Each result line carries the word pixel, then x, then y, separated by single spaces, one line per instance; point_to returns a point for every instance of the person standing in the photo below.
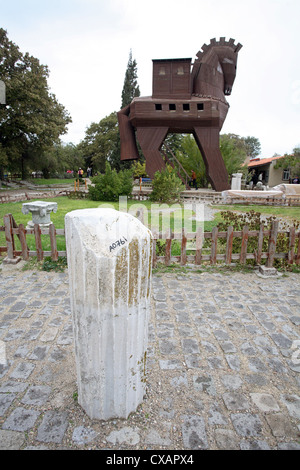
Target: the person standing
pixel 194 181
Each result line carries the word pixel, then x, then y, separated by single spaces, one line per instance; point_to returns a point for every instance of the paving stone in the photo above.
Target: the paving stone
pixel 233 362
pixel 204 384
pixel 255 364
pixel 33 334
pixel 49 335
pixel 154 438
pixel 125 435
pixel 13 387
pixel 232 382
pixel 14 334
pixel 39 353
pixel 18 307
pixel 226 439
pixel 165 330
pixel 11 440
pixel 228 347
pixel 23 370
pixel 265 402
pixel 254 445
pixel 179 381
pixel 193 361
pixel 194 433
pixel 190 346
pixel 53 427
pixel 282 340
pixel 215 416
pixel 21 419
pixel 235 401
pixel 82 435
pixel 36 395
pixel 246 424
pixel 170 364
pixel 280 425
pixel 168 347
pixel 292 402
pixel 8 300
pixel 5 401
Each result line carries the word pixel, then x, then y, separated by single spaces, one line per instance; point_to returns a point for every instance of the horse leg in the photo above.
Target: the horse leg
pixel 150 140
pixel 129 149
pixel 208 142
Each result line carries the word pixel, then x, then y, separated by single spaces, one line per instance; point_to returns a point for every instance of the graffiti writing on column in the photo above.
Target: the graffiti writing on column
pixel 117 243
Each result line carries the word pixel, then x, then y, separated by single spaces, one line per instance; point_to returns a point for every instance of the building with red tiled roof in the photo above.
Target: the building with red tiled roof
pixel 263 170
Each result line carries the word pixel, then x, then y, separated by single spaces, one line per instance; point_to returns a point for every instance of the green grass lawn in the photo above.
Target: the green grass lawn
pixel 48 182
pixel 65 205
pixel 177 219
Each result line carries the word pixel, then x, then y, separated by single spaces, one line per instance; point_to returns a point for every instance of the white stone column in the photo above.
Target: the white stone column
pixel 109 262
pixel 236 181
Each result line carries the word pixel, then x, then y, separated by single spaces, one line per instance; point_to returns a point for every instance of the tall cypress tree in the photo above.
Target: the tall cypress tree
pixel 130 87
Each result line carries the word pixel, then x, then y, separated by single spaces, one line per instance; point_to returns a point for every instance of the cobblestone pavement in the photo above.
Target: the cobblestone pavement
pixel 223 366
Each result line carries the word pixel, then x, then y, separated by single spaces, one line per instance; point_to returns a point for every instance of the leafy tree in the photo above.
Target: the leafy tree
pixel 232 147
pixel 234 152
pixel 191 159
pixel 58 159
pixel 100 142
pixel 110 185
pixel 139 169
pixel 291 162
pixel 33 119
pixel 253 147
pixel 166 186
pixel 130 87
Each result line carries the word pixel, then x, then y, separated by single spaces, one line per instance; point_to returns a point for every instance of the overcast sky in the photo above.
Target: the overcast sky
pixel 86 45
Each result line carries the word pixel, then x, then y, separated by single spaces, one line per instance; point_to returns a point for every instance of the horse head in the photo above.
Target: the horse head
pixel 214 69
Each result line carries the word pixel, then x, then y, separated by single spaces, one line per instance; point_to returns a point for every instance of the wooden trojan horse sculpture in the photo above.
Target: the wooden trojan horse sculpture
pixel 186 98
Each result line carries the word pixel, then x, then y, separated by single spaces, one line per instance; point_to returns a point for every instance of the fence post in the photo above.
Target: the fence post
pixel 229 242
pixel 22 237
pixel 214 244
pixel 272 243
pixel 292 239
pixel 259 244
pixel 199 245
pixel 10 242
pixel 243 255
pixel 52 234
pixel 297 260
pixel 183 258
pixel 38 242
pixel 168 247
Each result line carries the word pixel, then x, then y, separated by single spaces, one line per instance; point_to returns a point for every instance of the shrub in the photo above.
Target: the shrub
pixel 166 186
pixel 254 219
pixel 111 185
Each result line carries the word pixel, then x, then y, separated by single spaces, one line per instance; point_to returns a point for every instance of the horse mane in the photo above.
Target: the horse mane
pixel 214 43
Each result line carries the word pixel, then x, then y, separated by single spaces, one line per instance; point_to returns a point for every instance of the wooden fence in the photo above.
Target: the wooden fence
pixel 11 230
pixel 201 253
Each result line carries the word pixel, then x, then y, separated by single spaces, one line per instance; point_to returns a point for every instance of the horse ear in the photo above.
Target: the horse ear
pixel 238 48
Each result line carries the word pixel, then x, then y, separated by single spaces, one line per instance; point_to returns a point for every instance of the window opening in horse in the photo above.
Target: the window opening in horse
pixel 172 107
pixel 158 106
pixel 186 107
pixel 200 106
